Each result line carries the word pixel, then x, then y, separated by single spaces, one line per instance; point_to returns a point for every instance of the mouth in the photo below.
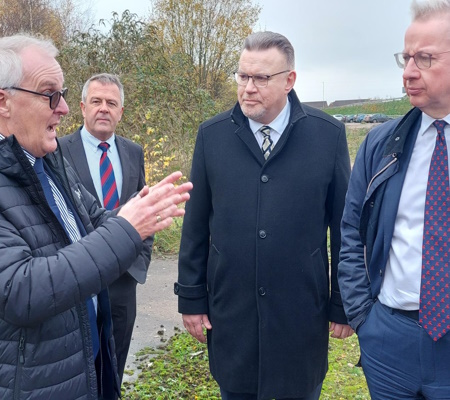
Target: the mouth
pixel 52 128
pixel 413 91
pixel 250 101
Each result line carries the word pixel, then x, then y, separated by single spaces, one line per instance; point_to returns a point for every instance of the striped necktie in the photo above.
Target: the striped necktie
pixel 267 144
pixel 109 188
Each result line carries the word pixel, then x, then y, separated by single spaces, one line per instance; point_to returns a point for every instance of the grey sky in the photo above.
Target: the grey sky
pixel 344 49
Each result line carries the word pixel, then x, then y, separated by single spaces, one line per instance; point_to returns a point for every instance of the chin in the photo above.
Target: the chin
pixel 255 115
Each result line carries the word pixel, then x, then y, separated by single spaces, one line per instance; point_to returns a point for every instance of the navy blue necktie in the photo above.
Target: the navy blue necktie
pixel 39 169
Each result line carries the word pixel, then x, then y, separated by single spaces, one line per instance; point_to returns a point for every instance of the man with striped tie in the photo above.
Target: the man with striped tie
pixel 111 168
pixel 270 177
pixel 58 249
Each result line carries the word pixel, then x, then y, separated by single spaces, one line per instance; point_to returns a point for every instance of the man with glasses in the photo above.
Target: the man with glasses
pixel 270 178
pixel 394 272
pixel 102 100
pixel 58 249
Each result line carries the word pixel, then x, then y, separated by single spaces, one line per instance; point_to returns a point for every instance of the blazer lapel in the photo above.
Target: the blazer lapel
pixel 125 161
pixel 79 161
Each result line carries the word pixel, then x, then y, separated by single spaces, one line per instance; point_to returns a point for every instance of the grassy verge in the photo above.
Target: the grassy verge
pixel 395 107
pixel 181 372
pixel 355 136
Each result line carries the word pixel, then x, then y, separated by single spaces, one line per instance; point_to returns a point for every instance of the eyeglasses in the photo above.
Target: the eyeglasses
pixel 258 80
pixel 54 97
pixel 422 60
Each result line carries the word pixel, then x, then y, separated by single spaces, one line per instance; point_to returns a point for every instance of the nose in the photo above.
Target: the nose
pixel 104 107
pixel 411 70
pixel 250 86
pixel 62 107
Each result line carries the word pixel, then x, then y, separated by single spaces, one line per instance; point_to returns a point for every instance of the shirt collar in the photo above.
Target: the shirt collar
pixel 278 124
pixel 92 142
pixel 427 121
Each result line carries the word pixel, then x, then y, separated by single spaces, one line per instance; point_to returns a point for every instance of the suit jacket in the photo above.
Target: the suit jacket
pixel 253 252
pixel 132 160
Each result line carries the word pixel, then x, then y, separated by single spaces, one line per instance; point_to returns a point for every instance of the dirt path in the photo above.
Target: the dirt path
pixel 157 314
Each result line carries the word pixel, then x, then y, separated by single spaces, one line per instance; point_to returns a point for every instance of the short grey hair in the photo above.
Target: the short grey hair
pixel 268 40
pixel 425 9
pixel 105 79
pixel 11 71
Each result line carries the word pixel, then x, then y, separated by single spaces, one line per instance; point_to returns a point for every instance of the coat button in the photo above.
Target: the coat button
pixel 176 288
pixel 261 291
pixel 381 272
pixel 264 178
pixel 262 234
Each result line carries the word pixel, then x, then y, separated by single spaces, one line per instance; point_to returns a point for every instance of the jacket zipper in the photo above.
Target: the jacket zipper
pixel 394 160
pixel 18 376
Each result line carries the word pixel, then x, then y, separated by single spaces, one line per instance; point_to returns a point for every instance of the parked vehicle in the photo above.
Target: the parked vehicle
pixel 339 117
pixel 349 118
pixel 378 118
pixel 359 118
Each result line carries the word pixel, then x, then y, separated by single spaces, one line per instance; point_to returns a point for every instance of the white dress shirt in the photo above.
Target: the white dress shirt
pixel 278 125
pixel 401 285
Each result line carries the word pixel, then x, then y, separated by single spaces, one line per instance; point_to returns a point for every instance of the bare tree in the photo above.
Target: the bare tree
pixel 57 19
pixel 211 32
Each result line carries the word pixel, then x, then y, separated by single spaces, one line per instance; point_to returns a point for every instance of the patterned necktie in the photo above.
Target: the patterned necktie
pixel 109 188
pixel 434 314
pixel 267 144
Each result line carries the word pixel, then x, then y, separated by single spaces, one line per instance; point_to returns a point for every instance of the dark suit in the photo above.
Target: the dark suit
pixel 123 290
pixel 253 253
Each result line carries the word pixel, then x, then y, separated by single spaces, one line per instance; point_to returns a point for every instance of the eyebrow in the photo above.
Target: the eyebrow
pixel 47 84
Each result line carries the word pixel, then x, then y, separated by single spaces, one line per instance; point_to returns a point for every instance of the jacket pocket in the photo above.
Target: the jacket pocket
pixel 319 272
pixel 213 261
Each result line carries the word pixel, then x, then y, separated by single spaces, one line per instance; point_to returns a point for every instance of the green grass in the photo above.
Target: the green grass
pixel 181 371
pixel 355 137
pixel 394 107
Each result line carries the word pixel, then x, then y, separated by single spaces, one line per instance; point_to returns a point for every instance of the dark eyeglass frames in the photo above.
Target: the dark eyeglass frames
pixel 54 98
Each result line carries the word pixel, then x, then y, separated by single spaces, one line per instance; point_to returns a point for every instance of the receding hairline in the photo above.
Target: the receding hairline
pixel 266 40
pixel 104 79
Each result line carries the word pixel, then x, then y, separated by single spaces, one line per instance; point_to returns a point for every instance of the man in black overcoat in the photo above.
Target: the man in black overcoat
pixel 270 178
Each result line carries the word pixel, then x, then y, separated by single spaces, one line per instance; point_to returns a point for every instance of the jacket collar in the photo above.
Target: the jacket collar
pixel 407 124
pixel 297 111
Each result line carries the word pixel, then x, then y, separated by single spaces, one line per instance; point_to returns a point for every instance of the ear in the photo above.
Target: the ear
pixel 83 109
pixel 292 76
pixel 121 113
pixel 4 103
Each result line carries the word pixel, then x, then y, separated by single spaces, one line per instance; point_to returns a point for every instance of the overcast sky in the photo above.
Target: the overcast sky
pixel 344 49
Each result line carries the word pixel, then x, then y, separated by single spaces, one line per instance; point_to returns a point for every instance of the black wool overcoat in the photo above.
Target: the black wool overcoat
pixel 254 252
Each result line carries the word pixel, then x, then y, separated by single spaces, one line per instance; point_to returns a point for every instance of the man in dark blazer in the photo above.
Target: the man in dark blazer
pixel 270 178
pixel 102 107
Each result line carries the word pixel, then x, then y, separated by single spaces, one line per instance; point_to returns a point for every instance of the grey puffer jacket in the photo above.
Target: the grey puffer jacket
pixel 45 338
